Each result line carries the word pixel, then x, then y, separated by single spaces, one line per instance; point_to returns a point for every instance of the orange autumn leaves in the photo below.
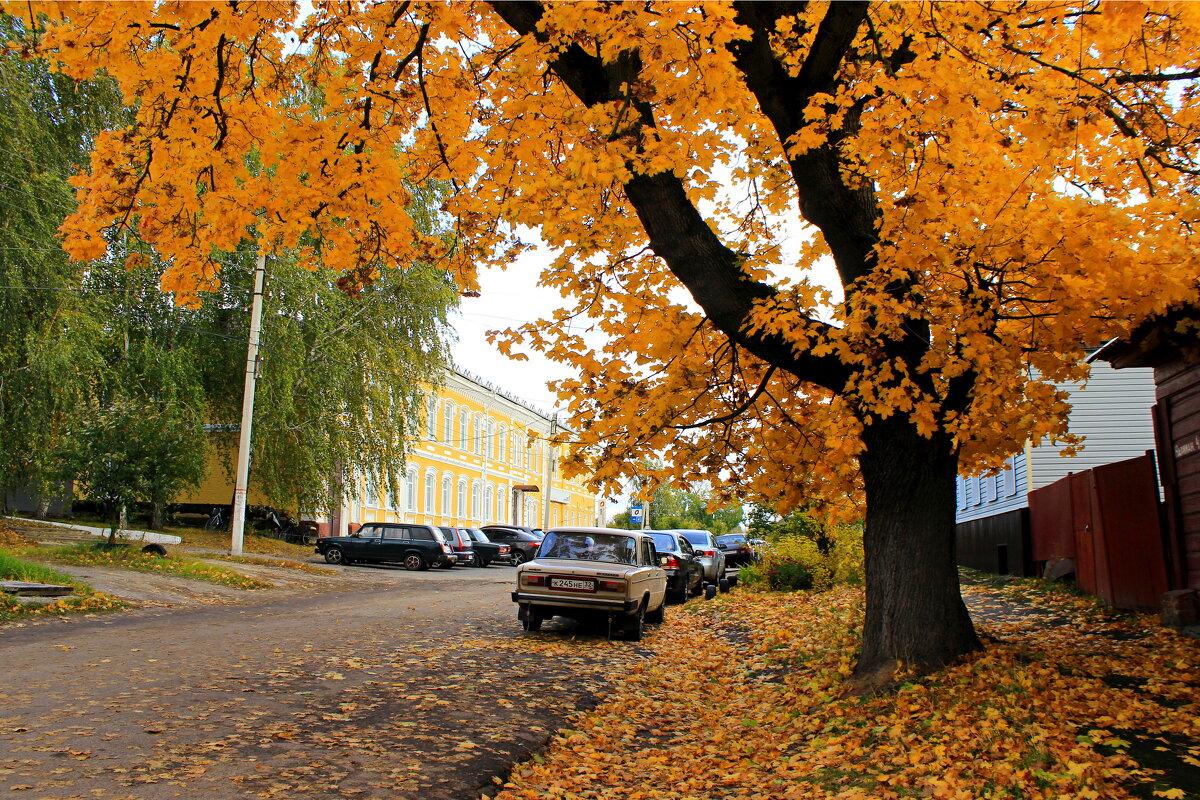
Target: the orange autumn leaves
pixel 744 697
pixel 1028 166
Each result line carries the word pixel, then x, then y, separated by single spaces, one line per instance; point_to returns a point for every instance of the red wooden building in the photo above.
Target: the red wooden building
pixel 1171 345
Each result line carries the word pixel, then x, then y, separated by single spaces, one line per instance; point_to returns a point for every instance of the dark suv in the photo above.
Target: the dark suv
pixel 523 541
pixel 461 544
pixel 414 546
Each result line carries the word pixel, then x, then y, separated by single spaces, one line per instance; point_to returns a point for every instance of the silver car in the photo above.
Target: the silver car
pixel 711 557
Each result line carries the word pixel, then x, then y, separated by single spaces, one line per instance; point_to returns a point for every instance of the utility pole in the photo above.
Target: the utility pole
pixel 549 473
pixel 243 461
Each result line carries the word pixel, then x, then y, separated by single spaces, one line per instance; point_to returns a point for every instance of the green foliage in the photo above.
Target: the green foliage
pixel 133 450
pixel 47 355
pixel 793 562
pixel 17 569
pixel 678 508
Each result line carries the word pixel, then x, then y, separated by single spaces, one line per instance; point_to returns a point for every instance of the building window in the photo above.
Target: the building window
pixel 962 493
pixel 976 491
pixel 446 500
pixel 462 498
pixel 501 497
pixel 463 423
pixel 489 502
pixel 410 490
pixel 475 500
pixel 502 443
pixel 489 444
pixel 1010 478
pixel 429 499
pixel 448 422
pixel 431 417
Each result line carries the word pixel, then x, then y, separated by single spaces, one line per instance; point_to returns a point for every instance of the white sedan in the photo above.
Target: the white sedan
pixel 593 572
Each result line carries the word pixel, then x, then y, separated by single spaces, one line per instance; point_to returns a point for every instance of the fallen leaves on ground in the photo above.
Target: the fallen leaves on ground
pixel 746 699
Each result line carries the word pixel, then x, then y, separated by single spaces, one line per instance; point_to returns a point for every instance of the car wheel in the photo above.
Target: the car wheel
pixel 447 565
pixel 334 556
pixel 657 616
pixel 485 562
pixel 680 595
pixel 518 558
pixel 724 585
pixel 710 592
pixel 635 626
pixel 533 620
pixel 414 561
pixel 699 587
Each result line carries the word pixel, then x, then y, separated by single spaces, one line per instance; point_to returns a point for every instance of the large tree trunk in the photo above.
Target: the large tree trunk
pixel 915 613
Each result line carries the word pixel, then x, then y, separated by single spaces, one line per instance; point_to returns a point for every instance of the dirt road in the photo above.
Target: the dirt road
pixel 380 683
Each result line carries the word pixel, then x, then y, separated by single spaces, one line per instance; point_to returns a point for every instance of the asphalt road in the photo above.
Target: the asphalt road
pixel 374 683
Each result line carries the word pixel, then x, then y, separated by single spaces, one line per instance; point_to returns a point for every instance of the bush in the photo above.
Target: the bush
pixel 795 562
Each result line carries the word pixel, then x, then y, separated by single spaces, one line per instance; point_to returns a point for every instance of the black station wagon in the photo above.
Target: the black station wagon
pixel 414 546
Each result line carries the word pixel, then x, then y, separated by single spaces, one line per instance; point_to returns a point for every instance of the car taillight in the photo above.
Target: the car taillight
pixel 671 563
pixel 505 548
pixel 533 580
pixel 707 553
pixel 610 586
pixel 446 548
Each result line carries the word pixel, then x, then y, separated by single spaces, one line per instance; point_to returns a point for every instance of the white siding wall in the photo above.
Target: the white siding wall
pixel 992 494
pixel 1112 411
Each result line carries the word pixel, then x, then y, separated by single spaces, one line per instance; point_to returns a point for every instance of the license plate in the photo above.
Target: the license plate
pixel 573 584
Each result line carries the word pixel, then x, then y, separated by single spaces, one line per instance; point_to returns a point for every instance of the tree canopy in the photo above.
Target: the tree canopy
pixel 995 186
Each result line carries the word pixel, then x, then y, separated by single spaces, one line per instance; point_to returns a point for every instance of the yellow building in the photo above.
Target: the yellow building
pixel 484 457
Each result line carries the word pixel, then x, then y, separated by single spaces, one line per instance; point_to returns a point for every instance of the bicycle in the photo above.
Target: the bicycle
pixel 216 520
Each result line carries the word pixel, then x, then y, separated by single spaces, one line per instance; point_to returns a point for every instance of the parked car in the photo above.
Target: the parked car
pixel 460 543
pixel 487 551
pixel 685 573
pixel 414 546
pixel 522 541
pixel 593 572
pixel 710 554
pixel 737 550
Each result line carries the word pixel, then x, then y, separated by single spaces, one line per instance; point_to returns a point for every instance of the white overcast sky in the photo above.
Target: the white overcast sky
pixel 508 298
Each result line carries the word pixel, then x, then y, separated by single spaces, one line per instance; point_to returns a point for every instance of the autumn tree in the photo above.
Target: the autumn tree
pixel 47 122
pixel 990 186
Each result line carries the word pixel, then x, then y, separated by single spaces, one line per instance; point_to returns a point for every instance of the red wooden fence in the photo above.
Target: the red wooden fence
pixel 1107 520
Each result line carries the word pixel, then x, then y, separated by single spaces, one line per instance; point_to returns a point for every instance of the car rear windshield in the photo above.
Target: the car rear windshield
pixel 724 540
pixel 696 538
pixel 477 535
pixel 664 542
pixel 609 547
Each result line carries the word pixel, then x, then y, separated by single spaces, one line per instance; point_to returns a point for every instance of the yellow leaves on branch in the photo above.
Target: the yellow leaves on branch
pixel 1029 187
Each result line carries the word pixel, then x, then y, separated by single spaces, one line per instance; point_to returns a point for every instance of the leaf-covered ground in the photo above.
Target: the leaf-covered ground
pixel 746 699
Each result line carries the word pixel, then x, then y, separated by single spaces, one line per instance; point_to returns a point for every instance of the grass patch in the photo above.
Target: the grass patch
pixel 84 599
pixel 131 558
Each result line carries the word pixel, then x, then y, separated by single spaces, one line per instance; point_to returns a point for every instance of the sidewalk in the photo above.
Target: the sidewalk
pixel 129 534
pixel 745 698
